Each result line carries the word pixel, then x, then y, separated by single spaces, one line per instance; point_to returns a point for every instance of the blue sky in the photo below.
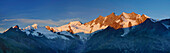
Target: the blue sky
pixel 59 12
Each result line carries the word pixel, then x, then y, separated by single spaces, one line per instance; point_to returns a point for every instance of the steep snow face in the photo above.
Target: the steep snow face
pixel 126 31
pixel 67 33
pixel 77 27
pixel 42 31
pixel 104 19
pixel 125 15
pixel 37 30
pixel 34 26
pixel 167 26
pixel 124 20
pixel 132 19
pixel 126 23
pixel 6 30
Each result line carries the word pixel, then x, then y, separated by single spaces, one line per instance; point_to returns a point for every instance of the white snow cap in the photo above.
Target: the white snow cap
pixel 35 26
pixel 95 25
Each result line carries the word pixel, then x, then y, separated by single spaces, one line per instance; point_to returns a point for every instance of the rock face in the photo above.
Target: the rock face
pixel 119 21
pixel 50 29
pixel 16 26
pixel 124 20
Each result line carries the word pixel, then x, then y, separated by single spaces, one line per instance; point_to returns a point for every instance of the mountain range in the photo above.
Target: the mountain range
pixel 124 33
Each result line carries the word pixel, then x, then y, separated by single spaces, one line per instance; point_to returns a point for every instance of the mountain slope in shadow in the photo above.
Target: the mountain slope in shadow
pixel 152 37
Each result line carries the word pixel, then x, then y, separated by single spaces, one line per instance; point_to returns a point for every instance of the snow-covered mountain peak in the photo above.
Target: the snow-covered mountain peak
pixel 75 23
pixel 126 15
pixel 116 21
pixel 119 21
pixel 146 16
pixel 123 20
pixel 35 26
pixel 16 26
pixel 100 16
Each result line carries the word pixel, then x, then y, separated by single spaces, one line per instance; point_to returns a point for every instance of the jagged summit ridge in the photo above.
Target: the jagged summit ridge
pixel 120 21
pixel 16 26
pixel 123 20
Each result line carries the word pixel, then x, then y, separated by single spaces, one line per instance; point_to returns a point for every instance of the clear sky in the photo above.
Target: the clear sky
pixel 59 12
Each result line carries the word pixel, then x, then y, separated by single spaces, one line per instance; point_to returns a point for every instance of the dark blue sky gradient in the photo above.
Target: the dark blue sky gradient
pixel 57 9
